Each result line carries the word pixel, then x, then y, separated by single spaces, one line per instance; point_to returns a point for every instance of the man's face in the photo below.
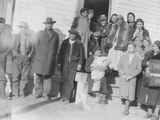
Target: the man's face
pixel 49 26
pixel 72 36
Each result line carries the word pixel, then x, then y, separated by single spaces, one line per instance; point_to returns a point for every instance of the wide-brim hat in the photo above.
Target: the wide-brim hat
pixel 49 20
pixel 75 32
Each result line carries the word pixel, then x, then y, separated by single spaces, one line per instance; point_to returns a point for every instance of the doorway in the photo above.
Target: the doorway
pixel 99 6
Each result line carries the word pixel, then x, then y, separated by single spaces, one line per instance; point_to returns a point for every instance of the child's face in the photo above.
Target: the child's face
pixel 97 53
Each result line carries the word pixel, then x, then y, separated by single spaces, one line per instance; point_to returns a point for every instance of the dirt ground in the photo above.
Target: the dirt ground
pixel 30 108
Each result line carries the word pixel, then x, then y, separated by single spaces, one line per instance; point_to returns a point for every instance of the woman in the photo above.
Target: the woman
pixel 129 67
pixel 112 27
pixel 150 96
pixel 140 34
pixel 81 24
pixel 131 24
pixel 104 32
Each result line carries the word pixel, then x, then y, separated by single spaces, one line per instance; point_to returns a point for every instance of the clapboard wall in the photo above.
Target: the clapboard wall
pixel 35 12
pixel 3 8
pixel 148 10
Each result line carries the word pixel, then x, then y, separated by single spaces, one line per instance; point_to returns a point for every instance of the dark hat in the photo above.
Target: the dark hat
pixel 83 9
pixel 49 20
pixel 75 32
pixel 2 20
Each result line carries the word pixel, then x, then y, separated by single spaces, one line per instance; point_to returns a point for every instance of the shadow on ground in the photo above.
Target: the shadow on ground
pixel 35 106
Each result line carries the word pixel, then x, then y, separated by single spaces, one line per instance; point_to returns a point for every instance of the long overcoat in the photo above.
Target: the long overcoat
pixel 46 52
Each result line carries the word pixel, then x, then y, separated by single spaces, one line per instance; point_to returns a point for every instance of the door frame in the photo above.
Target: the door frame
pixel 109 8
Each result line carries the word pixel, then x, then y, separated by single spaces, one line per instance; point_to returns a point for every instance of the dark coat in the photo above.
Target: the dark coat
pixel 46 52
pixel 77 56
pixel 149 96
pixel 69 64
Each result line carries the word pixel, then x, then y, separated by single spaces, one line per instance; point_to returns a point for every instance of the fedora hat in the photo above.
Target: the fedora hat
pixel 49 20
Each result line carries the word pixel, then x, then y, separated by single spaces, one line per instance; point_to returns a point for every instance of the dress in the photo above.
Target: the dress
pixel 130 66
pixel 149 96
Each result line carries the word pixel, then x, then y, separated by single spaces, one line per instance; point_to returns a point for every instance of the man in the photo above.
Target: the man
pixel 45 59
pixel 81 24
pixel 70 58
pixel 5 50
pixel 23 53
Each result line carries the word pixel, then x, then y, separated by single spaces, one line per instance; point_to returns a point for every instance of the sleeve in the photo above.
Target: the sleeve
pixel 61 52
pixel 82 54
pixel 31 44
pixel 147 36
pixel 125 35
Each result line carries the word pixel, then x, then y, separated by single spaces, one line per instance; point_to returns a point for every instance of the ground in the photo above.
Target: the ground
pixel 30 108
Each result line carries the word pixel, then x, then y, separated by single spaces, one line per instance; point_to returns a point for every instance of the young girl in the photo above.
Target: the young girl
pixel 129 67
pixel 98 67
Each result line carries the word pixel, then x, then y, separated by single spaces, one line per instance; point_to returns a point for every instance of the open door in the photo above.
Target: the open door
pixel 99 6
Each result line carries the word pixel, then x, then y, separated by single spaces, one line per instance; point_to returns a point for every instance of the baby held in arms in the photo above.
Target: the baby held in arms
pixel 98 67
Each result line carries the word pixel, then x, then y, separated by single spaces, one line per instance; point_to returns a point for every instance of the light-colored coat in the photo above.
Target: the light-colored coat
pixel 130 69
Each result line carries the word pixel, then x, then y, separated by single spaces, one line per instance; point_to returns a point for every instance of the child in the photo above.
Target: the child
pixel 98 67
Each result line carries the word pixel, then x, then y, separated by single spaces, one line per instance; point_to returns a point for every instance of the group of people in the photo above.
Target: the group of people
pixel 96 47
